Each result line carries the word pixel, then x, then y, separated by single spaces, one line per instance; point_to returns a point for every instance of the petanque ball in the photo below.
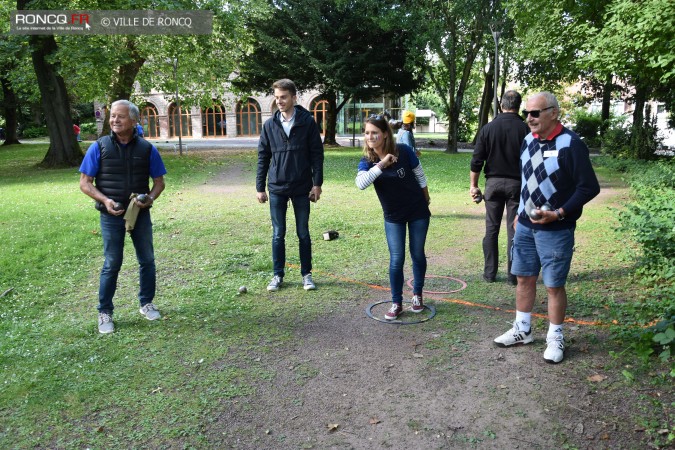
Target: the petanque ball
pixel 118 206
pixel 243 290
pixel 143 198
pixel 544 207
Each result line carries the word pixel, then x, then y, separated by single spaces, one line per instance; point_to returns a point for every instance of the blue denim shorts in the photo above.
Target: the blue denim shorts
pixel 547 251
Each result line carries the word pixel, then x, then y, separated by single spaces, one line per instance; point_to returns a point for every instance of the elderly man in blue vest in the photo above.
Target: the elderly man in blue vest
pixel 114 168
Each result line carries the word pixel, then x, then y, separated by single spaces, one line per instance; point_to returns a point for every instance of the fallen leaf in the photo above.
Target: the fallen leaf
pixel 333 427
pixel 374 421
pixel 502 386
pixel 605 437
pixel 99 429
pixel 418 355
pixel 597 378
pixel 663 431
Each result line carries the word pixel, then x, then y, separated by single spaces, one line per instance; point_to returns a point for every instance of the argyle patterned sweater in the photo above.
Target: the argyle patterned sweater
pixel 555 170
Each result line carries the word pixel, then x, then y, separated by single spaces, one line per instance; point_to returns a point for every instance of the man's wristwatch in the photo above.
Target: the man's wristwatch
pixel 560 216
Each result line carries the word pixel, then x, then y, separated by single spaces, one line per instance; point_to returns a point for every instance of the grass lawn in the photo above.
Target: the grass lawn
pixel 159 384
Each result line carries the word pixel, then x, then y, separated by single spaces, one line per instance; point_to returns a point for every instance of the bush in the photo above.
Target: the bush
pixel 88 128
pixel 651 214
pixel 588 126
pixel 616 141
pixel 623 140
pixel 649 219
pixel 34 132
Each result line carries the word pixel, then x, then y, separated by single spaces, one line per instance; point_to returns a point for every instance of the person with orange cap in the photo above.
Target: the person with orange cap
pixel 405 134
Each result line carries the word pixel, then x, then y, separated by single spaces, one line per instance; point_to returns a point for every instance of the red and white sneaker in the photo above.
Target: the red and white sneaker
pixel 393 313
pixel 417 304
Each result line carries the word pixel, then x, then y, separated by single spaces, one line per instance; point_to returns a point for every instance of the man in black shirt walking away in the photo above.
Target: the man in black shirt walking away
pixel 498 153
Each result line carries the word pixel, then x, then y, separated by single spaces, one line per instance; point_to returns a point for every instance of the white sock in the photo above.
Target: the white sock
pixel 523 320
pixel 554 330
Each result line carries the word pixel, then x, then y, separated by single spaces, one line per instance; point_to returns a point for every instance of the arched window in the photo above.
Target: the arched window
pixel 319 108
pixel 150 121
pixel 249 120
pixel 213 121
pixel 185 121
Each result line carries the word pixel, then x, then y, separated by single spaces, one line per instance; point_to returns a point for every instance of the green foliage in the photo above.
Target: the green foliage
pixel 648 219
pixel 644 139
pixel 616 141
pixel 657 340
pixel 426 98
pixel 454 33
pixel 34 132
pixel 587 126
pixel 88 128
pixel 623 140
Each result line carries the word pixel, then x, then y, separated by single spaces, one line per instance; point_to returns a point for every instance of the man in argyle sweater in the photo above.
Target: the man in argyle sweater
pixel 556 175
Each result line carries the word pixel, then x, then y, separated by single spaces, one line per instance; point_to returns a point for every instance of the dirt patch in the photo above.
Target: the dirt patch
pixel 231 180
pixel 348 381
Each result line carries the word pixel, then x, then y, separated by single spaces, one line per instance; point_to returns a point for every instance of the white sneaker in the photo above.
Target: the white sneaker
pixel 276 283
pixel 150 312
pixel 514 336
pixel 307 282
pixel 555 347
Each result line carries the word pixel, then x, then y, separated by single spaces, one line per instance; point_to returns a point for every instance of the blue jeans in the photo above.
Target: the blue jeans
pixel 396 241
pixel 278 208
pixel 114 233
pixel 547 251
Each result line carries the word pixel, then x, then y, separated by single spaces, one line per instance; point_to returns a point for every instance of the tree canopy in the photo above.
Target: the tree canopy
pixel 348 47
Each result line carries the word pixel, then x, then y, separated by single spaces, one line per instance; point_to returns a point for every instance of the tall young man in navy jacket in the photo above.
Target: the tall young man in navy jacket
pixel 290 161
pixel 557 181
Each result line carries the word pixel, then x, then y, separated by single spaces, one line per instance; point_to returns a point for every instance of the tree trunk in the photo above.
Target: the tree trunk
pixel 63 147
pixel 123 81
pixel 331 119
pixel 486 100
pixel 10 112
pixel 606 103
pixel 638 130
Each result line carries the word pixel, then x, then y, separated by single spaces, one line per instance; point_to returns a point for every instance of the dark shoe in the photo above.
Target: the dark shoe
pixel 513 281
pixel 488 279
pixel 393 313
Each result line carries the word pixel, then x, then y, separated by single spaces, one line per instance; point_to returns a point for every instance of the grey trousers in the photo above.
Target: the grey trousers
pixel 499 193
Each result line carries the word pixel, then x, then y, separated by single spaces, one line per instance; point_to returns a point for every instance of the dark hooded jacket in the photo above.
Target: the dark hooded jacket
pixel 290 165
